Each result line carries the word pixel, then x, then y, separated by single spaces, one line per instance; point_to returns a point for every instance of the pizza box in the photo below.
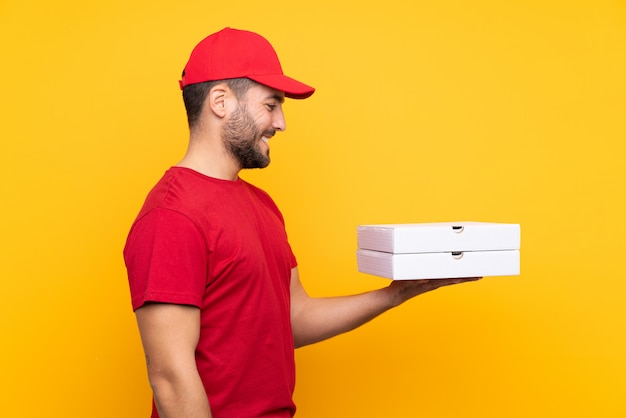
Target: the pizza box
pixel 438 237
pixel 439 265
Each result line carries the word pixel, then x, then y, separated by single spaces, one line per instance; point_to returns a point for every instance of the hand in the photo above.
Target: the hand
pixel 407 289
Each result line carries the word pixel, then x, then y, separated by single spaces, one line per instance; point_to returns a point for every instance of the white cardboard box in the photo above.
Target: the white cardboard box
pixel 439 237
pixel 439 250
pixel 439 265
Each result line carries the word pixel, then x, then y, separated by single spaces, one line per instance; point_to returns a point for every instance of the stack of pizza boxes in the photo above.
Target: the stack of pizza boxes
pixel 439 250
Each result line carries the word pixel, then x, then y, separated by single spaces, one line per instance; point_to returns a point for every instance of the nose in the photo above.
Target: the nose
pixel 278 122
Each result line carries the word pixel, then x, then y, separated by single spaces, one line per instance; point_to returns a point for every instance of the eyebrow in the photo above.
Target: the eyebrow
pixel 277 97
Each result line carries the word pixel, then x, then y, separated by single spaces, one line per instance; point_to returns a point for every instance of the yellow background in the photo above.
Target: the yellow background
pixel 488 110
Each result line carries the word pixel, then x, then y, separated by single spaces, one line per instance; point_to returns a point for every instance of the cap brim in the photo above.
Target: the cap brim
pixel 292 88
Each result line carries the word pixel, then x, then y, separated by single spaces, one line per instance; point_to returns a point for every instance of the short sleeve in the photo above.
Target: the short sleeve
pixel 166 259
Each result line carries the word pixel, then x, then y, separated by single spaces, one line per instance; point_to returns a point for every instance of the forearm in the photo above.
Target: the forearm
pixel 179 396
pixel 318 319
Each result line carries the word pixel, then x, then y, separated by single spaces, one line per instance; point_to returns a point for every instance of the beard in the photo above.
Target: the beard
pixel 241 137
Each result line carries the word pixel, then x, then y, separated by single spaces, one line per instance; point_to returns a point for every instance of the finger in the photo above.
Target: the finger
pixel 467 279
pixel 457 280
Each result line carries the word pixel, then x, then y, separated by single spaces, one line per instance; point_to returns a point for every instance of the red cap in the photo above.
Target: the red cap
pixel 233 53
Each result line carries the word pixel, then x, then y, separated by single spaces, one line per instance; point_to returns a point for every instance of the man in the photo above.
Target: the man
pixel 213 280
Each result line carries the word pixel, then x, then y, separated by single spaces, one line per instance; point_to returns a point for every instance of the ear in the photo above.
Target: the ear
pixel 216 100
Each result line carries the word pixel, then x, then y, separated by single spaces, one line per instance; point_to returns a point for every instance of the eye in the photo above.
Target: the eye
pixel 270 107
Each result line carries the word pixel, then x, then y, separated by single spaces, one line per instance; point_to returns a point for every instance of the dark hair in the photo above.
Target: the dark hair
pixel 194 95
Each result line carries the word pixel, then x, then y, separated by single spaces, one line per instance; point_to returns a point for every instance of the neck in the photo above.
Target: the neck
pixel 209 157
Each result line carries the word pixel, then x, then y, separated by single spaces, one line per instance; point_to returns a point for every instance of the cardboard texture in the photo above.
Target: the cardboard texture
pixel 439 250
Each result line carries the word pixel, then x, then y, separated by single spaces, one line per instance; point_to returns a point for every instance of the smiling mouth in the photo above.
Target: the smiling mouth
pixel 267 135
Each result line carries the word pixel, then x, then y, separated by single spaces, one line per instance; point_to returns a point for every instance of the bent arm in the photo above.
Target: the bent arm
pixel 169 334
pixel 316 319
